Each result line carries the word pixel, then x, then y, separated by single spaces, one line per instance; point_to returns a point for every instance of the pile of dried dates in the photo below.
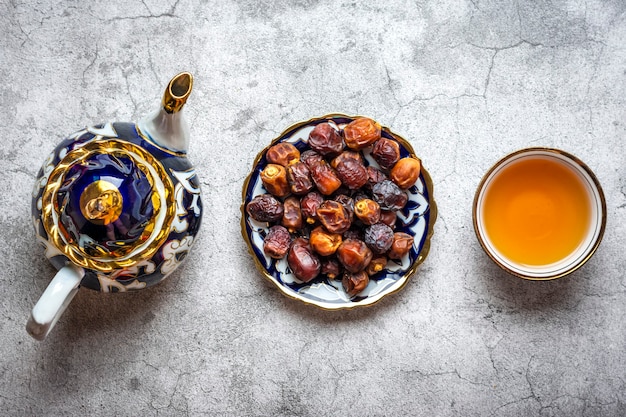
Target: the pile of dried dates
pixel 331 214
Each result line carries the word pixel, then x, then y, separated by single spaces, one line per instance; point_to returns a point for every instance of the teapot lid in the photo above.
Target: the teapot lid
pixel 108 204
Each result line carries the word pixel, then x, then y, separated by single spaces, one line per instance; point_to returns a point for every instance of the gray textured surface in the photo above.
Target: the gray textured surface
pixel 464 81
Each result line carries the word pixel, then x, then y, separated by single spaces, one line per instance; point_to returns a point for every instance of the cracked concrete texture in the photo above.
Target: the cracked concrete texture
pixel 466 82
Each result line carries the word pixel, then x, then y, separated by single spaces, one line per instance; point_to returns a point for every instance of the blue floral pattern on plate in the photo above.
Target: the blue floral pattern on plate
pixel 417 218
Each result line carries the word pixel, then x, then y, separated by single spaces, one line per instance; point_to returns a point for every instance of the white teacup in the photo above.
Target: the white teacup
pixel 539 213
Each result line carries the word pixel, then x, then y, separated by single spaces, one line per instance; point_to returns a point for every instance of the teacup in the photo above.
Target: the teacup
pixel 539 213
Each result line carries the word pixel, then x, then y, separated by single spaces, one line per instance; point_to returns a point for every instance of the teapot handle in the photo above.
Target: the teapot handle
pixel 54 301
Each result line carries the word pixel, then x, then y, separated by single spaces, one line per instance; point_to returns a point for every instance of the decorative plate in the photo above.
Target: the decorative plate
pixel 417 218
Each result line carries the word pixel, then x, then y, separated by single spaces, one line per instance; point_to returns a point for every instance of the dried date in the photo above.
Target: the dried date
pixel 368 211
pixel 299 178
pixel 292 215
pixel 324 177
pixel 276 242
pixel 354 283
pixel 274 178
pixel 402 243
pixel 361 132
pixel 386 152
pixel 325 140
pixel 324 242
pixel 283 153
pixel 379 238
pixel 406 172
pixel 333 216
pixel 354 255
pixel 265 208
pixel 309 205
pixel 304 264
pixel 389 196
pixel 352 173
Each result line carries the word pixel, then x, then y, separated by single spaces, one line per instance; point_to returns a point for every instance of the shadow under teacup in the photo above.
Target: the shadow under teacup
pixel 539 213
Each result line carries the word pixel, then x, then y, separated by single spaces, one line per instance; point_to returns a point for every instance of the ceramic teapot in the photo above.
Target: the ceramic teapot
pixel 116 206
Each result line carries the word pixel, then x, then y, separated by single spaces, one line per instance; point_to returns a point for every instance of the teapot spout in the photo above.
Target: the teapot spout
pixel 167 127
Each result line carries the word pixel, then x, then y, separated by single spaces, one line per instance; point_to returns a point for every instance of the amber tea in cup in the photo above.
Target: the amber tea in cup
pixel 539 213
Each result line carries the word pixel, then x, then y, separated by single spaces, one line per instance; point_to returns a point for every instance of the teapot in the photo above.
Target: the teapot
pixel 116 206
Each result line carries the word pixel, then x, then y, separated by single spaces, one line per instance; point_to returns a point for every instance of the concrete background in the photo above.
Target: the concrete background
pixel 466 82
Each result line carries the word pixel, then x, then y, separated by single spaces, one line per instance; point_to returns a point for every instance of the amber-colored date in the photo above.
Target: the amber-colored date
pixel 402 243
pixel 283 153
pixel 324 177
pixel 333 216
pixel 354 283
pixel 274 178
pixel 406 172
pixel 354 255
pixel 368 211
pixel 324 242
pixel 361 132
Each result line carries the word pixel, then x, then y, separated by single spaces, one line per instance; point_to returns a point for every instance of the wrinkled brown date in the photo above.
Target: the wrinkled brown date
pixel 368 211
pixel 274 178
pixel 333 216
pixel 310 158
pixel 299 178
pixel 325 140
pixel 304 264
pixel 309 205
pixel 283 153
pixel 361 132
pixel 325 178
pixel 324 242
pixel 379 237
pixel 401 245
pixel 354 283
pixel 292 215
pixel 352 173
pixel 386 152
pixel 406 172
pixel 374 176
pixel 354 255
pixel 265 208
pixel 276 242
pixel 389 196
